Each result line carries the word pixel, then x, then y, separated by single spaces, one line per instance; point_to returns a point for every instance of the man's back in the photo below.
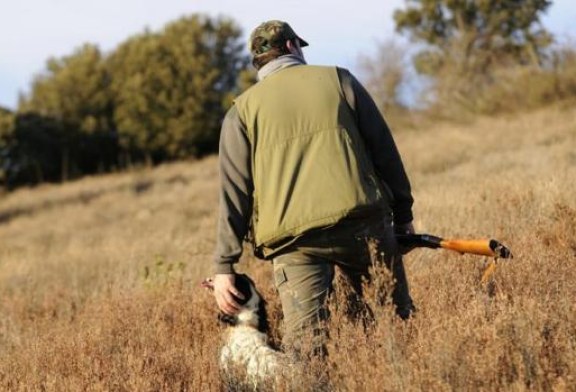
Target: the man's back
pixel 298 99
pixel 310 166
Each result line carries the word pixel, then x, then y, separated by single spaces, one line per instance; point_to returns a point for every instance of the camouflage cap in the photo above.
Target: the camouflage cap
pixel 272 34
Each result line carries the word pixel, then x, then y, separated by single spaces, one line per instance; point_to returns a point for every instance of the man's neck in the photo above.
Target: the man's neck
pixel 278 64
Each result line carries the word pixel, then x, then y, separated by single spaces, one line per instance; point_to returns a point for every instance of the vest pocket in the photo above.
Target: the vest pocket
pixel 279 276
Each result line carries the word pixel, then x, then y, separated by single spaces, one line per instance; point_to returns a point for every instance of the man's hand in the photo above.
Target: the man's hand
pixel 225 291
pixel 404 228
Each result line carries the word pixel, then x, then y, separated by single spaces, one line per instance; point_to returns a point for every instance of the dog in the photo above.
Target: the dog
pixel 246 349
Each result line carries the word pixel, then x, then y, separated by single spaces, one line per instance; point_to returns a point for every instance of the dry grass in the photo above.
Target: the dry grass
pixel 504 87
pixel 99 278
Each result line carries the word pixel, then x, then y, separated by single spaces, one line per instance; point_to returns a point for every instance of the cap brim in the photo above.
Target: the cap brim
pixel 302 42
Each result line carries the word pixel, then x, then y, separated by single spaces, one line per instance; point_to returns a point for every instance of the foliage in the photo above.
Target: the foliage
pixel 521 88
pixel 158 96
pixel 6 123
pixel 475 34
pixel 505 89
pixel 6 133
pixel 73 96
pixel 470 48
pixel 161 273
pixel 39 150
pixel 170 87
pixel 73 90
pixel 30 148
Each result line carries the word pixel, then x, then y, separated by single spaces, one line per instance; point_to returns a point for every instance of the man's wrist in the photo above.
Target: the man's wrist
pixel 224 268
pixel 403 216
pixel 404 228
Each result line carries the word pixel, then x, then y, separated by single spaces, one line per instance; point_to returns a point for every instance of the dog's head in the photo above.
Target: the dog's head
pixel 253 312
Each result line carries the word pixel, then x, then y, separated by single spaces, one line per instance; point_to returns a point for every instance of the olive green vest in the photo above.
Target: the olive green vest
pixel 309 164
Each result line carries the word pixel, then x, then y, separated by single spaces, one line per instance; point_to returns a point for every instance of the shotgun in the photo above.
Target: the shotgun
pixel 482 247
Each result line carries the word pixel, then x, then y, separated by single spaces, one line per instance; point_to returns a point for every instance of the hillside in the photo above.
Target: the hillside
pixel 99 277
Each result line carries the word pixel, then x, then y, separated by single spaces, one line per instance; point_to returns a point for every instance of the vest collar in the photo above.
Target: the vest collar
pixel 279 63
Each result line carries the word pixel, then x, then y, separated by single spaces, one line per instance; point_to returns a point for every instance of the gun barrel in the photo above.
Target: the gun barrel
pixel 419 241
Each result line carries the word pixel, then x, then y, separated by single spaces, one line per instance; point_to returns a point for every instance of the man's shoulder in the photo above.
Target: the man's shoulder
pixel 341 72
pixel 306 68
pixel 242 97
pixel 320 68
pixel 344 73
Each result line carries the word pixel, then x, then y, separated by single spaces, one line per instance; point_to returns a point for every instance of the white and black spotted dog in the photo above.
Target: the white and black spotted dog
pixel 245 346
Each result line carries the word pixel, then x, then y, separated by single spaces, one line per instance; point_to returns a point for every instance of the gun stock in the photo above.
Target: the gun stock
pixel 475 247
pixel 482 247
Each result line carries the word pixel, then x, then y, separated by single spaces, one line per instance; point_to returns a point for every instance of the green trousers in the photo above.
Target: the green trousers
pixel 304 274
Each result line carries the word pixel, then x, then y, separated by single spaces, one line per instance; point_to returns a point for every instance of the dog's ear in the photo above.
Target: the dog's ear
pixel 263 325
pixel 208 283
pixel 227 319
pixel 243 284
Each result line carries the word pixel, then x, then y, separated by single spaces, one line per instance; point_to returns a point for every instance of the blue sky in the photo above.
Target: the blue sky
pixel 339 32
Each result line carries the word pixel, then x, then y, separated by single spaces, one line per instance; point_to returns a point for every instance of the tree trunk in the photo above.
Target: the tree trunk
pixel 149 161
pixel 65 169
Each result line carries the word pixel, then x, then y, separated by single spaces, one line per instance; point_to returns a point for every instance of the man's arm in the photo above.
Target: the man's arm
pixel 235 192
pixel 380 145
pixel 235 209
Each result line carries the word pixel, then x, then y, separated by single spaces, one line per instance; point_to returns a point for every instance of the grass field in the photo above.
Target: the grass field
pixel 99 277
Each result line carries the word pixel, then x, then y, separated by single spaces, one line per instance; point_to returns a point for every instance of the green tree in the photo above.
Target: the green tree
pixel 6 135
pixel 172 87
pixel 470 47
pixel 35 150
pixel 138 77
pixel 475 34
pixel 73 93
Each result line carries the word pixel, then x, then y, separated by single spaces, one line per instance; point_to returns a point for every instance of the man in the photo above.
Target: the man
pixel 309 170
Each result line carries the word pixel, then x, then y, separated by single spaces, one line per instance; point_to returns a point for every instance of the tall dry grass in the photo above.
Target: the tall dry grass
pixel 99 278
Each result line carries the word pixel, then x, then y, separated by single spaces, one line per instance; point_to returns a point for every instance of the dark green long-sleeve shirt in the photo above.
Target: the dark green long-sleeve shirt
pixel 236 185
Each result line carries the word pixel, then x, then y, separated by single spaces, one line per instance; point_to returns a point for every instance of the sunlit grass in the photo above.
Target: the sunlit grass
pixel 99 277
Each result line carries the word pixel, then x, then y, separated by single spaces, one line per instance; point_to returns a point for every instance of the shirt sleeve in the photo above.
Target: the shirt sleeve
pixel 236 187
pixel 380 145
